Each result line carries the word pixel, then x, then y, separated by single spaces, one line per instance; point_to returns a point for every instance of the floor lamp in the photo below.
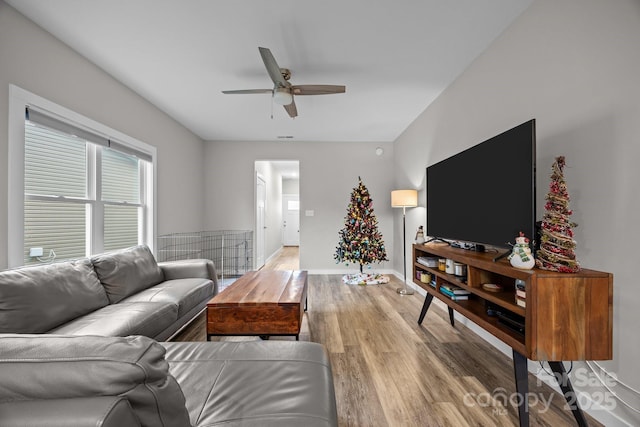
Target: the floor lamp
pixel 404 199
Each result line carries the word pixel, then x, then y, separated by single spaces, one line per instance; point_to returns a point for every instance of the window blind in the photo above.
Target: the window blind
pixel 120 177
pixel 55 169
pixel 121 197
pixel 55 164
pixel 51 122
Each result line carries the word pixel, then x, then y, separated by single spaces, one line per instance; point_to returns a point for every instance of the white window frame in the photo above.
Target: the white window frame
pixel 19 99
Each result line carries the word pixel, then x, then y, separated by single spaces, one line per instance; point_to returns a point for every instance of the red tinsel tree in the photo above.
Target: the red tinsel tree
pixel 557 246
pixel 360 239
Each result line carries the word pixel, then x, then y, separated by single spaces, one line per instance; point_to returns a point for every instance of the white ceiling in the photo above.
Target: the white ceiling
pixel 394 56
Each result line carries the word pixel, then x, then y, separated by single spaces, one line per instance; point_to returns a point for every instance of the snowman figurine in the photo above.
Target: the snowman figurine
pixel 521 256
pixel 420 236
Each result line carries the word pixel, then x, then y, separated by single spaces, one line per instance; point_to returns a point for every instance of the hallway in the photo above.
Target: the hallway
pixel 287 258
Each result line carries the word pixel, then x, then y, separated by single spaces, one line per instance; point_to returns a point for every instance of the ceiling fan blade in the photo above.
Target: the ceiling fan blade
pixel 272 67
pixel 317 89
pixel 247 91
pixel 291 109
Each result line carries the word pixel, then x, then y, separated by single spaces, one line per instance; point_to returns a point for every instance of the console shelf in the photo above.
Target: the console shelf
pixel 566 316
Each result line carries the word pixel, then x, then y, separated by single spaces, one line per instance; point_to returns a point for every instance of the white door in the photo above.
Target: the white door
pixel 261 197
pixel 291 220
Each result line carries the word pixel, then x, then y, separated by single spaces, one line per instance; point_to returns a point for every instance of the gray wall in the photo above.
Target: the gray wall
pixel 574 65
pixel 328 173
pixel 35 61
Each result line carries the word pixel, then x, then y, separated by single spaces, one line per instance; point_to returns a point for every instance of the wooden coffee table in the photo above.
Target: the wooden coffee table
pixel 262 303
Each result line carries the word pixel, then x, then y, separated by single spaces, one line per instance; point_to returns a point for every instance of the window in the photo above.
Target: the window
pixel 82 192
pixel 120 184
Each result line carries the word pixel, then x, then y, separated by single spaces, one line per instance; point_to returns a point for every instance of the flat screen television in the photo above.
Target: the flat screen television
pixel 487 193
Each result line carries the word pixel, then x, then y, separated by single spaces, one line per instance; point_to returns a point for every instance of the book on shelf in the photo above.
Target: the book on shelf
pixel 521 294
pixel 454 289
pixel 428 261
pixel 521 302
pixel 453 296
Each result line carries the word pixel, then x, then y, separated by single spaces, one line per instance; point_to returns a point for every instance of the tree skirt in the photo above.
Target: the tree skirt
pixel 364 279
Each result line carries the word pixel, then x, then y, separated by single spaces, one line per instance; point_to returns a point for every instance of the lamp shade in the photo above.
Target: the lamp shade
pixel 404 198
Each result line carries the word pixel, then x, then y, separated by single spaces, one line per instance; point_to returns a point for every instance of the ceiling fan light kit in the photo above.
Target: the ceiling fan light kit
pixel 283 91
pixel 282 96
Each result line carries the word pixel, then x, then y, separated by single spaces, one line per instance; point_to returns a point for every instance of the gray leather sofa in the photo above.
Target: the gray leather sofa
pixel 112 294
pixel 54 381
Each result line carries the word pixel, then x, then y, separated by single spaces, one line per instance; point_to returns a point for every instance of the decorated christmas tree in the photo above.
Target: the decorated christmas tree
pixel 557 246
pixel 360 240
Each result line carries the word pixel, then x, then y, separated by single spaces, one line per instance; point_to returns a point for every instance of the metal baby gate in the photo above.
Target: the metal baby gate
pixel 230 250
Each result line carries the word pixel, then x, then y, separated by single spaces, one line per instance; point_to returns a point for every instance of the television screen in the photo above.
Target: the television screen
pixel 486 194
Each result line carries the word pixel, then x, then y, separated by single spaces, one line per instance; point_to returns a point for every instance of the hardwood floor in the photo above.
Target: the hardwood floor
pixel 390 371
pixel 287 258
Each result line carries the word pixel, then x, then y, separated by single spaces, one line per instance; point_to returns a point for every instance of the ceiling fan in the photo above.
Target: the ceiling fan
pixel 283 91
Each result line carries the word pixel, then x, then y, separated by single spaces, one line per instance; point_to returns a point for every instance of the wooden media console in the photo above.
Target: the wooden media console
pixel 566 316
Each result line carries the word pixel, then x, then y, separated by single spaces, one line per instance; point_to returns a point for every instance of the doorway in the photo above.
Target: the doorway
pixel 291 220
pixel 277 208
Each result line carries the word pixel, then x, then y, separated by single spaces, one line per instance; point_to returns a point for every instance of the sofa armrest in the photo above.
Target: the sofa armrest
pixel 47 367
pixel 190 268
pixel 108 411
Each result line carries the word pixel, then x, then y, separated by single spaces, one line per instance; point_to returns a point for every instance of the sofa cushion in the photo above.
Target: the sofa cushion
pixel 34 367
pixel 37 299
pixel 133 318
pixel 184 293
pixel 255 384
pixel 127 271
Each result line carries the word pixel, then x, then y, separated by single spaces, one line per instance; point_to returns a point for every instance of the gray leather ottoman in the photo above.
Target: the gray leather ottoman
pixel 261 383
